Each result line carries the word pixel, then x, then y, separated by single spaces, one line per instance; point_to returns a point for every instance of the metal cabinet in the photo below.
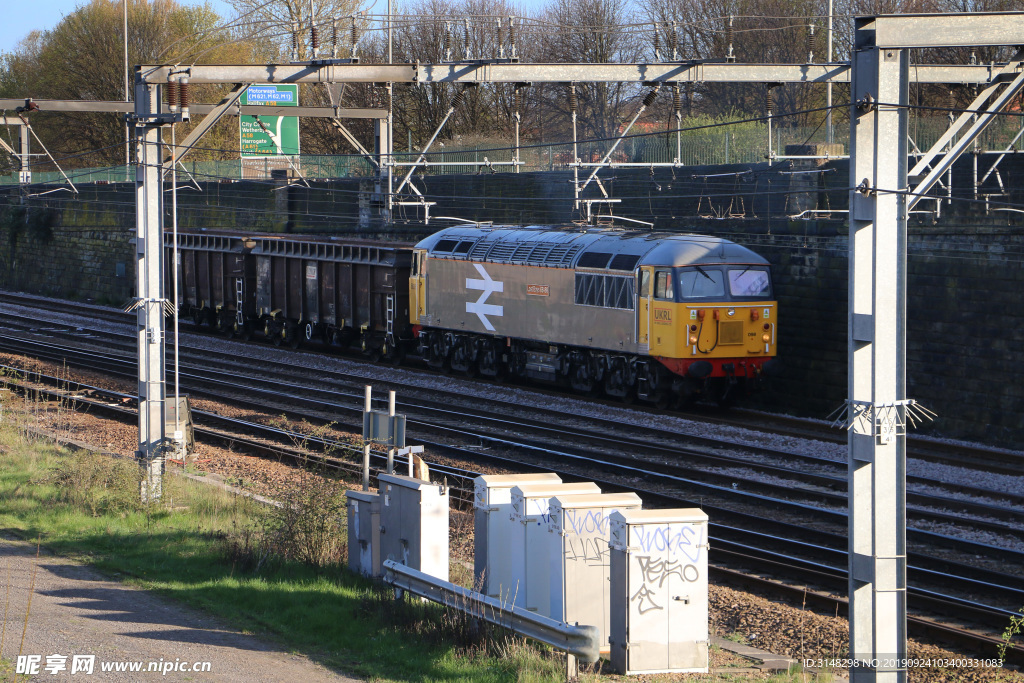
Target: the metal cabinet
pixel 529 540
pixel 364 532
pixel 659 591
pixel 414 524
pixel 580 567
pixel 492 521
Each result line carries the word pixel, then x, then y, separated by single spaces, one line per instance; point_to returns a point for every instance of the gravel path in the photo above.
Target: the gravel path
pixel 75 610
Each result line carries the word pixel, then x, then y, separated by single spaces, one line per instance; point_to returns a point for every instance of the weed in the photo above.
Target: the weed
pixel 1012 629
pixel 97 483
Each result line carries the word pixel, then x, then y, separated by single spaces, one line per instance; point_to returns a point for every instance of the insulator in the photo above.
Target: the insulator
pixel 657 44
pixel 314 38
pixel 466 35
pixel 673 43
pixel 447 40
pixel 183 88
pixel 677 98
pixel 650 97
pixel 295 40
pixel 517 100
pixel 171 91
pixel 501 39
pixel 810 44
pixel 729 34
pixel 512 36
pixel 334 38
pixel 354 34
pixel 460 97
pixel 769 101
pixel 574 102
pixel 951 103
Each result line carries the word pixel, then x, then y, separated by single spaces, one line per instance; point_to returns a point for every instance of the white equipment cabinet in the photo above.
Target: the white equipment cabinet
pixel 493 554
pixel 579 562
pixel 364 532
pixel 659 591
pixel 530 511
pixel 414 523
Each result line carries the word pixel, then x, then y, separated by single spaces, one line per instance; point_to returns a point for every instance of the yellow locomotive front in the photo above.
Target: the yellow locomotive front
pixel 709 317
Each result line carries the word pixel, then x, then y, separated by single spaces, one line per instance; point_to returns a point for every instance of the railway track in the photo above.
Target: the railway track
pixel 650 436
pixel 732 550
pixel 716 462
pixel 918 448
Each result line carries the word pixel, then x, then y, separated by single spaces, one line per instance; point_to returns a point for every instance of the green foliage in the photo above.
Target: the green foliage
pixel 1011 630
pixel 81 58
pixel 37 223
pixel 97 483
pixel 177 548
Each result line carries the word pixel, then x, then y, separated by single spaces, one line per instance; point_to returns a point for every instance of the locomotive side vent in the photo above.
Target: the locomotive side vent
pixel 730 332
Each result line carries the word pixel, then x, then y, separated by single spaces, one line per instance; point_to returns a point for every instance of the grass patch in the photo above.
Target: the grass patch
pixel 192 547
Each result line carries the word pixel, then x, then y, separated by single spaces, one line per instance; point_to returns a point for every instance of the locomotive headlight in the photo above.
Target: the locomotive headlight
pixel 765 337
pixel 693 339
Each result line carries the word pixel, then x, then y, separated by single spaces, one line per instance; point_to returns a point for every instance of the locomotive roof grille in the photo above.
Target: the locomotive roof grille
pixel 567 247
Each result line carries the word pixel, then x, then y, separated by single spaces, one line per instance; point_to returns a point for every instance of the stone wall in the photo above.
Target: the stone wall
pixel 964 272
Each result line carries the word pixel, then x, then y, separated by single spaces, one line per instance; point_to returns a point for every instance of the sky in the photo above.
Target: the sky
pixel 20 17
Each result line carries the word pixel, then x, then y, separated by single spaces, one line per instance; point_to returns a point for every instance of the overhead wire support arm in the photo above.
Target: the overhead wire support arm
pixel 978 118
pixel 28 126
pixel 208 122
pixel 459 99
pixel 647 101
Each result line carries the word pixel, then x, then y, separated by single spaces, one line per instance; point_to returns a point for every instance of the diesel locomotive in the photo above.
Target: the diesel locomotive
pixel 661 317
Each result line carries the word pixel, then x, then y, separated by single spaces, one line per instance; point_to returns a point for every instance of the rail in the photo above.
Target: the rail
pixel 578 641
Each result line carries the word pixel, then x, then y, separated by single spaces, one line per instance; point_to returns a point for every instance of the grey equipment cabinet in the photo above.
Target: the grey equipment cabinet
pixel 578 528
pixel 529 544
pixel 492 520
pixel 659 591
pixel 364 532
pixel 414 524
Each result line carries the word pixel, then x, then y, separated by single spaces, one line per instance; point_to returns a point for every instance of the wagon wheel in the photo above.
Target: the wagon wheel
pixel 246 332
pixel 197 316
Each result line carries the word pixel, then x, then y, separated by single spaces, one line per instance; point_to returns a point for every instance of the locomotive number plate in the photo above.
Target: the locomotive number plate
pixel 538 290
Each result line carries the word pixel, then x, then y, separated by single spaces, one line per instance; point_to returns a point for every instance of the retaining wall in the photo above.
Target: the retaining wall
pixel 965 275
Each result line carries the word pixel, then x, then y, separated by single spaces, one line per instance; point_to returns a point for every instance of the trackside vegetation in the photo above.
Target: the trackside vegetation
pixel 192 548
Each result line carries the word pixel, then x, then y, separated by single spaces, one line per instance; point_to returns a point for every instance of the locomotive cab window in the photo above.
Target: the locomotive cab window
pixel 752 282
pixel 701 283
pixel 663 285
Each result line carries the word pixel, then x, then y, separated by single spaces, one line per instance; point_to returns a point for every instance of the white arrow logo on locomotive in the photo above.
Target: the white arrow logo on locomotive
pixel 487 286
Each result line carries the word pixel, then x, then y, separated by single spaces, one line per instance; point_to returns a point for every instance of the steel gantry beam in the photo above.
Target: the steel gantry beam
pixel 877 403
pixel 483 72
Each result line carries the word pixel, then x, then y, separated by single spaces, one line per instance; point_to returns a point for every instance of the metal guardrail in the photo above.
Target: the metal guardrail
pixel 578 641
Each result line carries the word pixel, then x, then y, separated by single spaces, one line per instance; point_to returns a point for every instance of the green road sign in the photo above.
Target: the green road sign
pixel 279 135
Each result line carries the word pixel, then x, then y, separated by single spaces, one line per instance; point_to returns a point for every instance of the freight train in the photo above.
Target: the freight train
pixel 661 317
